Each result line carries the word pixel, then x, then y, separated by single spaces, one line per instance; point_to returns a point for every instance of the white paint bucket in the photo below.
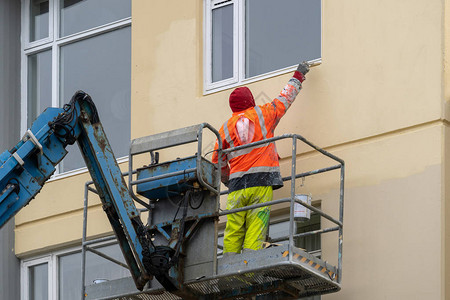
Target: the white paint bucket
pixel 301 213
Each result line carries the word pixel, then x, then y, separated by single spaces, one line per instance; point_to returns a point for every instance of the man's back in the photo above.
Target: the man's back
pixel 252 173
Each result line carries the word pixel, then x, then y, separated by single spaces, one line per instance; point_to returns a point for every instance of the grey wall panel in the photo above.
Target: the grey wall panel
pixel 9 132
pixel 9 73
pixel 9 264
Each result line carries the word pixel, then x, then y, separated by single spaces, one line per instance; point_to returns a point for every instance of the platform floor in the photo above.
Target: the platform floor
pixel 273 272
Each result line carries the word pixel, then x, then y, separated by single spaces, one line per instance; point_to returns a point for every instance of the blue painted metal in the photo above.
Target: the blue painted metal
pixel 177 184
pixel 113 192
pixel 160 228
pixel 25 169
pixel 36 169
pixel 191 230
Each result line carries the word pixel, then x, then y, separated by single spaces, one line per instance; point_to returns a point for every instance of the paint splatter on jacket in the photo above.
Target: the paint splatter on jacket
pixel 258 165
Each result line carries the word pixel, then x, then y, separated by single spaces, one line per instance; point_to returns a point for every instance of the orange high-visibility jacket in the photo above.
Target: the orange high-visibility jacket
pixel 258 165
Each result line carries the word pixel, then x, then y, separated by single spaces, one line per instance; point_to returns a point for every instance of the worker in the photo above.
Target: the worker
pixel 251 174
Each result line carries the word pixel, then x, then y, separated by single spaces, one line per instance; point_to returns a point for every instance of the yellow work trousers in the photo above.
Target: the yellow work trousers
pixel 247 229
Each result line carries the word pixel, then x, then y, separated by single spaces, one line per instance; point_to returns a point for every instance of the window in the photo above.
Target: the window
pixel 248 40
pixel 310 243
pixel 35 281
pixel 70 45
pixel 58 275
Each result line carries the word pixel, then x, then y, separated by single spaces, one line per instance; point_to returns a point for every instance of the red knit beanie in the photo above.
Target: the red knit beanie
pixel 241 99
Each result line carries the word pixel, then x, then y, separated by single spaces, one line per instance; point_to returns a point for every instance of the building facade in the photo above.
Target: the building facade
pixel 377 98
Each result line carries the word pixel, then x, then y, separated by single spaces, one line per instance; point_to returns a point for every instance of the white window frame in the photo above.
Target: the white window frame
pixel 54 43
pixel 53 269
pixel 208 40
pixel 24 278
pixel 238 78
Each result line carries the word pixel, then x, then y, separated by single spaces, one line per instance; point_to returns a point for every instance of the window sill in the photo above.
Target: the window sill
pixel 279 72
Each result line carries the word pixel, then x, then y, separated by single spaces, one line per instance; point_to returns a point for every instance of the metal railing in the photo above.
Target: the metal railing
pixel 191 134
pixel 292 200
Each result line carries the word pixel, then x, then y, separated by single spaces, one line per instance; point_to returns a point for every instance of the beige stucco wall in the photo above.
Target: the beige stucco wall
pixel 55 218
pixel 377 101
pixel 392 223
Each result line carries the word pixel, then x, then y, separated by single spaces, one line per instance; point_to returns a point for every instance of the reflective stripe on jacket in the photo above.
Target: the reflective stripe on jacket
pixel 258 165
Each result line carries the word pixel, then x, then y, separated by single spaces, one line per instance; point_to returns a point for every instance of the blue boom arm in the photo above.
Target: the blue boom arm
pixel 26 167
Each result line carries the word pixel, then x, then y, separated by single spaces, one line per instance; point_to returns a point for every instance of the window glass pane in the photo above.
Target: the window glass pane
pixel 99 268
pixel 69 275
pixel 39 17
pixel 310 242
pixel 79 15
pixel 222 43
pixel 101 66
pixel 279 230
pixel 280 34
pixel 39 84
pixel 38 282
